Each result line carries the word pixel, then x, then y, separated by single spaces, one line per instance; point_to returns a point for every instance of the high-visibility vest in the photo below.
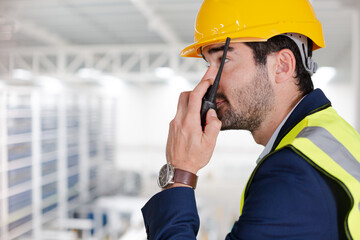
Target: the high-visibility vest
pixel 332 146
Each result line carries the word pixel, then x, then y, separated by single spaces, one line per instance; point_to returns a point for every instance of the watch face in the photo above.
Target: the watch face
pixel 166 175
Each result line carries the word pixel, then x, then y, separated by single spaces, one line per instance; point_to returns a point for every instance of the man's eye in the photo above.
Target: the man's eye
pixel 207 64
pixel 226 60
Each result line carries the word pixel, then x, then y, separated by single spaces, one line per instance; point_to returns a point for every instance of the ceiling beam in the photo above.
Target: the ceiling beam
pixel 35 31
pixel 135 62
pixel 156 23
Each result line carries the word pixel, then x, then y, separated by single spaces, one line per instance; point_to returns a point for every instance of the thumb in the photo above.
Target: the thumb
pixel 213 124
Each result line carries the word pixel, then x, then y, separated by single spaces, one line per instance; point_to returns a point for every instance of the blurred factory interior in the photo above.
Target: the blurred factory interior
pixel 87 90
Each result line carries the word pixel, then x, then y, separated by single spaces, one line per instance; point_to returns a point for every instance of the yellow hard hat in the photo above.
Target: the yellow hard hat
pixel 252 21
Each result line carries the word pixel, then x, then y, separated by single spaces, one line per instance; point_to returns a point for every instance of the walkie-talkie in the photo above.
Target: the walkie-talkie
pixel 209 99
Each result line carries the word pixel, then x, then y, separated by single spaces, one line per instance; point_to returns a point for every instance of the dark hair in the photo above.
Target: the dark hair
pixel 262 49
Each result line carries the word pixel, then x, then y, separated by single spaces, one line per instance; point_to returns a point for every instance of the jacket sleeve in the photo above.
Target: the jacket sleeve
pixel 172 214
pixel 287 199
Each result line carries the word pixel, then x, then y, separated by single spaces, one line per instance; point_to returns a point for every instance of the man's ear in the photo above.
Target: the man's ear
pixel 285 65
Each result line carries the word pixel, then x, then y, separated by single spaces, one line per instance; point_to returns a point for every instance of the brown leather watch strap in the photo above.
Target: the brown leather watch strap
pixel 185 177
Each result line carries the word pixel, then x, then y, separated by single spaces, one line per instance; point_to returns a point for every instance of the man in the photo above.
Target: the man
pixel 307 181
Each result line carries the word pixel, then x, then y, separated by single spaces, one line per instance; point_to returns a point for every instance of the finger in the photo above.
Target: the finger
pixel 169 142
pixel 182 105
pixel 213 126
pixel 195 97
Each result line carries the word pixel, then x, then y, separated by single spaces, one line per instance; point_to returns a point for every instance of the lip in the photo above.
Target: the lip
pixel 219 103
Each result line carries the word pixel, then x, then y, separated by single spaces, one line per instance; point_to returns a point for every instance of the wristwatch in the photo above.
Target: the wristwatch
pixel 169 175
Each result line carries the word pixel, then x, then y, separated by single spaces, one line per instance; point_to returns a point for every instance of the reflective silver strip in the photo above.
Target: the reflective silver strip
pixel 324 140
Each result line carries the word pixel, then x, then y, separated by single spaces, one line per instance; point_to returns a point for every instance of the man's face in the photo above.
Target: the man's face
pixel 245 94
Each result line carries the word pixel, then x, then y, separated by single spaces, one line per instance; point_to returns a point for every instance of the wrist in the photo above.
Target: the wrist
pixel 185 168
pixel 175 185
pixel 170 175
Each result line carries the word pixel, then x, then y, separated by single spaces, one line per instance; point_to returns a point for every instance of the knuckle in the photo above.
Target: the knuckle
pixel 174 122
pixel 208 81
pixel 184 95
pixel 194 95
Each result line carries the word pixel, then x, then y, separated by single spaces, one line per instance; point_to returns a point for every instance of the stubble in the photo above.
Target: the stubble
pixel 251 103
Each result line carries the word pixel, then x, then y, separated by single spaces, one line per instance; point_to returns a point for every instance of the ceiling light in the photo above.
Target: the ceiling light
pixel 323 76
pixel 111 85
pixel 109 81
pixel 22 74
pixel 50 84
pixel 89 73
pixel 164 72
pixel 180 83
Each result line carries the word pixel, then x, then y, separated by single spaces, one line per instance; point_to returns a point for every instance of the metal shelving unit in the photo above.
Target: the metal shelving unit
pixel 17 194
pixel 51 148
pixel 94 146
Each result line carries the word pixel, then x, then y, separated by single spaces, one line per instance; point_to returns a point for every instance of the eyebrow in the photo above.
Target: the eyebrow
pixel 215 50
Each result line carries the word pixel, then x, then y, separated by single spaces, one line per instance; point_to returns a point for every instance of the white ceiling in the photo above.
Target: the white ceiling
pixel 53 23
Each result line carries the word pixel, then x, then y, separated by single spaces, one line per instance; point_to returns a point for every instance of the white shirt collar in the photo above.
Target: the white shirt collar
pixel 271 142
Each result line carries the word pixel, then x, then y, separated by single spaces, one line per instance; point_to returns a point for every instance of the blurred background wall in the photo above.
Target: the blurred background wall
pixel 88 88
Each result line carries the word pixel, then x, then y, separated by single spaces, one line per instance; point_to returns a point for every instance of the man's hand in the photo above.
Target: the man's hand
pixel 188 147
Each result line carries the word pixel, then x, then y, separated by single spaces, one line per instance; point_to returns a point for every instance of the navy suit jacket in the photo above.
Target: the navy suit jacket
pixel 287 199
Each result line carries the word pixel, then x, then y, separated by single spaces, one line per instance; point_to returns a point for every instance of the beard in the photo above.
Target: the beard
pixel 250 105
